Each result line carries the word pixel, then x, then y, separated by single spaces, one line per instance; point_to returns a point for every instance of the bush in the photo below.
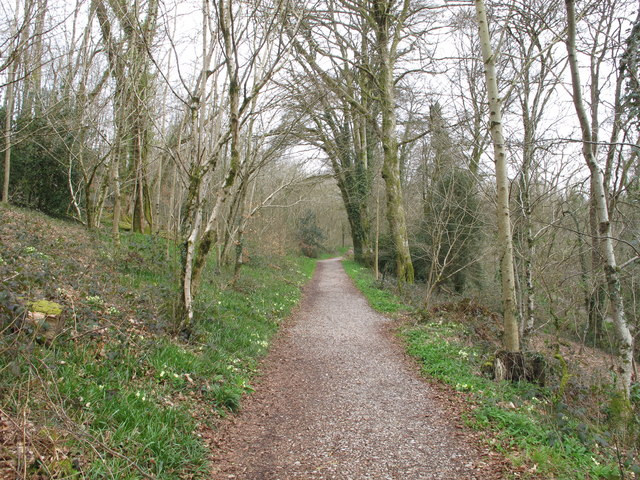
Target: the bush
pixel 39 176
pixel 309 234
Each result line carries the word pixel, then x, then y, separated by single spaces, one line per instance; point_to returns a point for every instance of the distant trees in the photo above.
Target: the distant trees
pixel 363 75
pixel 129 66
pixel 346 136
pixel 448 238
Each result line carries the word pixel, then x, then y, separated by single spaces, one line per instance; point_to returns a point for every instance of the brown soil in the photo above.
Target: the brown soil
pixel 339 400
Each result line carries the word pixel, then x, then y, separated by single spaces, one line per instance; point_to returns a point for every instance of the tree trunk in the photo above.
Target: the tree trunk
pixel 376 254
pixel 598 192
pixel 391 162
pixel 598 290
pixel 8 112
pixel 210 237
pixel 528 322
pixel 511 329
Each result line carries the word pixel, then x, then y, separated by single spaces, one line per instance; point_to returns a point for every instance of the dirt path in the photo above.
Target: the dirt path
pixel 340 401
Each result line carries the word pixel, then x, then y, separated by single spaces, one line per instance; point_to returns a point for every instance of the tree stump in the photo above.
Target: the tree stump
pixel 517 366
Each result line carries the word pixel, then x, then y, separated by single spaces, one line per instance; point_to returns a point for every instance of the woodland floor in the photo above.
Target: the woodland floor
pixel 340 400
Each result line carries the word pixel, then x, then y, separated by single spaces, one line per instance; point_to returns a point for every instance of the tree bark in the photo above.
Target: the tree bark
pixel 511 328
pixel 528 322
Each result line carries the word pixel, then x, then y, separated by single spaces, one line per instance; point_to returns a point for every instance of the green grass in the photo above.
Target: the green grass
pixel 120 395
pixel 530 425
pixel 379 299
pixel 338 252
pixel 532 420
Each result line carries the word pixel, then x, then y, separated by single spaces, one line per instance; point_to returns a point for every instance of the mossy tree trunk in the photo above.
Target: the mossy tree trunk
pixel 388 27
pixel 346 144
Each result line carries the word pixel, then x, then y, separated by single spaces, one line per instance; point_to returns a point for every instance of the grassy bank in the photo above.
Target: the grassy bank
pixel 532 426
pixel 111 393
pixel 380 299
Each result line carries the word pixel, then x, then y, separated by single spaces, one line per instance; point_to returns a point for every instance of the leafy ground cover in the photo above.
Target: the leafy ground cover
pixel 108 391
pixel 541 432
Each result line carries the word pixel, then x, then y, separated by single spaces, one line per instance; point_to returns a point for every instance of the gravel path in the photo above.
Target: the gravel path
pixel 340 401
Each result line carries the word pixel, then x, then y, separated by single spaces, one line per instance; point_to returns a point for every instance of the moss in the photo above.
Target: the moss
pixel 46 307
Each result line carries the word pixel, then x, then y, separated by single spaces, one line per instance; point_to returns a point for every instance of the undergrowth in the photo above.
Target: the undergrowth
pixel 112 393
pixel 533 426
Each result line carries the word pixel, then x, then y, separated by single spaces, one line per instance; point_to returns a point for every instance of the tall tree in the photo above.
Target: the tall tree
pixel 388 18
pixel 538 71
pixel 511 329
pixel 599 199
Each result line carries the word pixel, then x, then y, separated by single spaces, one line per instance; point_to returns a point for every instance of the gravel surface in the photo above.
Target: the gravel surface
pixel 339 400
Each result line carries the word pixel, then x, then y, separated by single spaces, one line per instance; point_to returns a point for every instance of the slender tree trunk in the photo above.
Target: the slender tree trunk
pixel 511 329
pixel 529 247
pixel 102 195
pixel 611 269
pixel 598 291
pixel 8 114
pixel 138 160
pixel 33 57
pixel 115 166
pixel 197 183
pixel 8 111
pixel 90 209
pixel 377 239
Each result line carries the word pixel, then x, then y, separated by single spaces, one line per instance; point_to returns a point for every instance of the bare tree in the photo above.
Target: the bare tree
pixel 246 77
pixel 511 330
pixel 599 196
pixel 539 72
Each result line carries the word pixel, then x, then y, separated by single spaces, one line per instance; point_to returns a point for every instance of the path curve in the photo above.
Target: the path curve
pixel 338 400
